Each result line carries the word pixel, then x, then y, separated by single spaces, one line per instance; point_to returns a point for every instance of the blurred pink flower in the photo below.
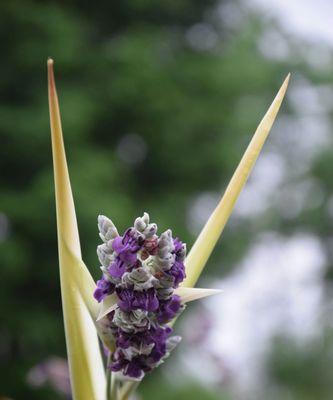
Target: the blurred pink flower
pixel 53 371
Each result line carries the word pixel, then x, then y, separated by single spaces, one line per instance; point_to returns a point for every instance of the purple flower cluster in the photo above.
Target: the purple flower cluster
pixel 143 270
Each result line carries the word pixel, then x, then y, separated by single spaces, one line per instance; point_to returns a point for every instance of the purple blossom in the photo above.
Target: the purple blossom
pixel 103 289
pixel 168 309
pixel 156 335
pixel 133 368
pixel 130 299
pixel 118 361
pixel 136 368
pixel 146 302
pixel 126 248
pixel 178 245
pixel 159 337
pixel 178 268
pixel 141 363
pixel 117 268
pixel 177 271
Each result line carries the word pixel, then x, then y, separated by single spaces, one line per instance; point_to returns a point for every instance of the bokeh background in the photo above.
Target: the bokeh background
pixel 159 100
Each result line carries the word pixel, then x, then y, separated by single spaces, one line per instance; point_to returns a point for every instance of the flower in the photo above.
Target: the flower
pixel 141 353
pixel 103 289
pixel 168 309
pixel 131 299
pixel 144 271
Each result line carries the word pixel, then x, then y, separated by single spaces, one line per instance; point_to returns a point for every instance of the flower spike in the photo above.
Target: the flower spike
pixel 213 229
pixel 141 272
pixel 85 362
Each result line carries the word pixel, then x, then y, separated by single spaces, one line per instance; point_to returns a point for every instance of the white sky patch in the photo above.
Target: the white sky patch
pixel 307 98
pixel 267 175
pixel 274 45
pixel 200 209
pixel 310 20
pixel 301 139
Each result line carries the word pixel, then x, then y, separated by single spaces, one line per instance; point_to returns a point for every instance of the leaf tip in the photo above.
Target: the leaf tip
pixel 50 72
pixel 285 83
pixel 50 64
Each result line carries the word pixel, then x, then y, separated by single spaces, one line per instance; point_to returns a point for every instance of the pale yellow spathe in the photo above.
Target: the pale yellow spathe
pixel 211 232
pixel 85 362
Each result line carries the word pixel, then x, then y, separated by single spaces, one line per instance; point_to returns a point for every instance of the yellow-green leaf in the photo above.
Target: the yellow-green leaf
pixel 108 304
pixel 190 294
pixel 211 232
pixel 85 363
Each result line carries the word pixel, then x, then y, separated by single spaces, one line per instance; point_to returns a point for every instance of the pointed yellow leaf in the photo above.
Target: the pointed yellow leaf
pixel 211 232
pixel 189 294
pixel 108 304
pixel 77 286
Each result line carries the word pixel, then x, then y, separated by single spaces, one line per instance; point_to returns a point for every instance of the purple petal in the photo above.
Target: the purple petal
pixel 103 289
pixel 169 309
pixel 134 369
pixel 117 269
pixel 117 244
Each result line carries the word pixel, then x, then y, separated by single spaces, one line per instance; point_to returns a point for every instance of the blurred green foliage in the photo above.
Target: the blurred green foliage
pixel 127 76
pixel 304 373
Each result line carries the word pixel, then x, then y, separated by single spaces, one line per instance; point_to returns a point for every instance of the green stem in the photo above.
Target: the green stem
pixel 108 378
pixel 114 388
pixel 112 392
pixel 127 389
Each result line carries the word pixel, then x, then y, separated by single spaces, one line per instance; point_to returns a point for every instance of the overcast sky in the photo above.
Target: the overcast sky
pixel 312 20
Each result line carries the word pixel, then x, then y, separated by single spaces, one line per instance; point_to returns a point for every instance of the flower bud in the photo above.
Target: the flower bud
pixel 134 321
pixel 132 351
pixel 107 230
pixel 140 278
pixel 140 224
pixel 105 255
pixel 150 230
pixel 165 263
pixel 165 293
pixel 182 253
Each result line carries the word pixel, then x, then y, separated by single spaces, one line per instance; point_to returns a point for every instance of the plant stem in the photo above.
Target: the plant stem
pixel 111 383
pixel 127 389
pixel 114 393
